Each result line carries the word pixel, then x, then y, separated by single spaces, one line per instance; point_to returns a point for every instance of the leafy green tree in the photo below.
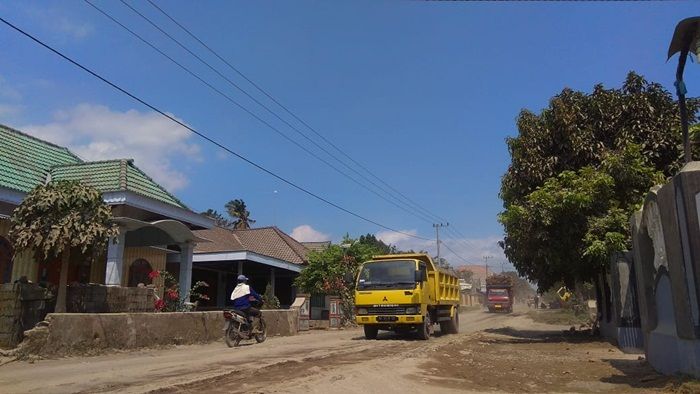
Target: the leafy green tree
pixel 579 169
pixel 238 210
pixel 579 129
pixel 566 229
pixel 372 241
pixel 219 219
pixel 58 216
pixel 333 271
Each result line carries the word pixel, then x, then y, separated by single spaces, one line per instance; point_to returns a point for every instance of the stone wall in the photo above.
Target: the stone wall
pixel 65 334
pixel 94 298
pixel 666 249
pixel 21 307
pixel 10 331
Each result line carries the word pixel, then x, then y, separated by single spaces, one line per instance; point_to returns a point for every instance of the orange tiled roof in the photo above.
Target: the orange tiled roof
pixel 267 241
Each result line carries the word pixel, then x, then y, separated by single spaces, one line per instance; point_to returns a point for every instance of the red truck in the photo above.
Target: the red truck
pixel 499 293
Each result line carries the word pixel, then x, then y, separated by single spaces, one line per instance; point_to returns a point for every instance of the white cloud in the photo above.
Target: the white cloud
pixel 306 233
pixel 395 238
pixel 57 21
pixel 7 110
pixel 8 92
pixel 95 132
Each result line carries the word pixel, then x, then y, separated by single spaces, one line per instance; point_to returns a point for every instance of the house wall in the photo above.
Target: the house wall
pixel 23 263
pixel 155 257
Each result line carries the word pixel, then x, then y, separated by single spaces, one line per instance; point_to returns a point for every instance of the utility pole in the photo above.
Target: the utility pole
pixel 486 263
pixel 437 238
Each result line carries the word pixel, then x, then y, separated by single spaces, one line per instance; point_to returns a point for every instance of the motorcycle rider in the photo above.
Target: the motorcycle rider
pixel 241 298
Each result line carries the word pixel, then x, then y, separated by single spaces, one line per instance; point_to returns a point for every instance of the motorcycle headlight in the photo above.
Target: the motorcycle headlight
pixel 412 310
pixel 361 311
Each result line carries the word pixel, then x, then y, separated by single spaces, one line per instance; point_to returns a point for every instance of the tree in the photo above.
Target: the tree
pixel 567 228
pixel 333 270
pixel 237 210
pixel 382 248
pixel 58 216
pixel 578 170
pixel 219 219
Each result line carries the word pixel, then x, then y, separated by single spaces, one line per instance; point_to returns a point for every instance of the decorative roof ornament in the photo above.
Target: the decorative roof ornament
pixel 686 38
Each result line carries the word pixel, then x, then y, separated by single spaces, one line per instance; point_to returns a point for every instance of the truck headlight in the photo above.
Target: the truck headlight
pixel 412 310
pixel 361 311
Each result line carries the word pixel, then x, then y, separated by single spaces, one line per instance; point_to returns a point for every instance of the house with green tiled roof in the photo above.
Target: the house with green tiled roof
pixel 153 222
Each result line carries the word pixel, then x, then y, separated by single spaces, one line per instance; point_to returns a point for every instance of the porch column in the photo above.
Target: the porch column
pixel 186 250
pixel 240 268
pixel 272 280
pixel 114 271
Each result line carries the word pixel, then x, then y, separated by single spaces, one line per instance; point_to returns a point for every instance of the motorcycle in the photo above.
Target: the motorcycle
pixel 238 327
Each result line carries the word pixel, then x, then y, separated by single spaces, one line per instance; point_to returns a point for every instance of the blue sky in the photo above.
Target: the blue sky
pixel 423 94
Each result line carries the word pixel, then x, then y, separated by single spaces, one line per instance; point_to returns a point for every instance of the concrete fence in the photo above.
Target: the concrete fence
pixel 651 297
pixel 65 334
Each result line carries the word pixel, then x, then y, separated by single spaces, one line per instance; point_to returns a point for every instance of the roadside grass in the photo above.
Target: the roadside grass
pixel 559 317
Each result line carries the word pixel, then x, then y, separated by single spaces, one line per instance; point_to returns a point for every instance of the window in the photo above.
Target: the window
pixel 138 272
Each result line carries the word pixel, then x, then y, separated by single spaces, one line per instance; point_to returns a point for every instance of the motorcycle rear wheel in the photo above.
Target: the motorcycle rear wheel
pixel 232 338
pixel 260 338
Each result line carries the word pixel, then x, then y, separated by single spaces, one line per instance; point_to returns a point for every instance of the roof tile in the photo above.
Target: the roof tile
pixel 267 241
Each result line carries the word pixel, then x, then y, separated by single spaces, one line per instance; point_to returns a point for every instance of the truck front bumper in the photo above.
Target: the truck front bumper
pixel 389 319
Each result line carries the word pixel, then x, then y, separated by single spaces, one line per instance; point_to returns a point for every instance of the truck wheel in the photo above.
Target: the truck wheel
pixel 371 332
pixel 426 328
pixel 453 324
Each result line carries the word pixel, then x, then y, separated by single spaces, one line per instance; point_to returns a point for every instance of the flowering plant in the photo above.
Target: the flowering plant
pixel 171 301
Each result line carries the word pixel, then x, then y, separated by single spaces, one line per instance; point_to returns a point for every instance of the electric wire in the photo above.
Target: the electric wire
pixel 295 116
pixel 201 134
pixel 252 114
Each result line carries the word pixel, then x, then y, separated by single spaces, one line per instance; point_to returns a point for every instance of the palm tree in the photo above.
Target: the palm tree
pixel 237 210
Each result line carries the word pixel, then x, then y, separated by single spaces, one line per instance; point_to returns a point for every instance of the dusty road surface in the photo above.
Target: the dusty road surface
pixel 493 352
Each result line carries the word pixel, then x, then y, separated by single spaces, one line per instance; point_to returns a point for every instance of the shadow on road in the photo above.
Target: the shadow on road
pixel 542 336
pixel 636 373
pixel 392 336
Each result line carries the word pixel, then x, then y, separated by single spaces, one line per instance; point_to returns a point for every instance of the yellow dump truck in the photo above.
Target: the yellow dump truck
pixel 406 292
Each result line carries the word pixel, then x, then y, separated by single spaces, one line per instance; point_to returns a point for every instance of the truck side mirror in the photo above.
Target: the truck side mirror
pixel 419 276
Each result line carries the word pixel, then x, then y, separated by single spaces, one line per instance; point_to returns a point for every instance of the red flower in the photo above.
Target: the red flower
pixel 159 304
pixel 172 294
pixel 153 274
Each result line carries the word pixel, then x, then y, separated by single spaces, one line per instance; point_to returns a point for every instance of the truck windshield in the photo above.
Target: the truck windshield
pixel 498 292
pixel 388 274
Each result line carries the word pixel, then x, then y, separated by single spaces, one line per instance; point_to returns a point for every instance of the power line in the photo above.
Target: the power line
pixel 459 237
pixel 301 133
pixel 202 135
pixel 299 119
pixel 249 112
pixel 455 253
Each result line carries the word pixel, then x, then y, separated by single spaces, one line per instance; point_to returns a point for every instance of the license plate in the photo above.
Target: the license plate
pixel 497 305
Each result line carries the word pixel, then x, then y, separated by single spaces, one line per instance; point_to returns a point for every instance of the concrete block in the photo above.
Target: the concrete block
pixel 282 322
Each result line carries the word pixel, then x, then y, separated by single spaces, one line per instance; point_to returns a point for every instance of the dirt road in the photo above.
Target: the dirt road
pixel 493 352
